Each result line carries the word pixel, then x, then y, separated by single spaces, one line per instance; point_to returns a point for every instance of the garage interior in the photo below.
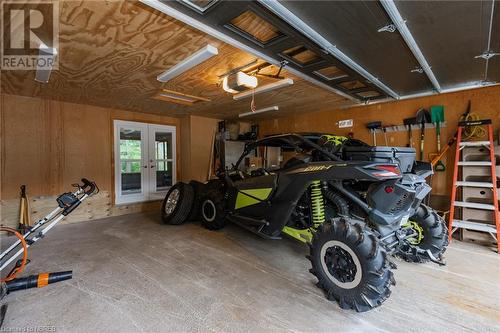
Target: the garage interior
pixel 150 93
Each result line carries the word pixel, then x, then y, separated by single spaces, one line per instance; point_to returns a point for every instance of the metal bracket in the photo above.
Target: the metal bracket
pixel 238 69
pixel 387 28
pixel 283 63
pixel 487 55
pixel 418 70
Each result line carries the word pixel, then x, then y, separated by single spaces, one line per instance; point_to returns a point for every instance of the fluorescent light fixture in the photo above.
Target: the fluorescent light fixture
pixel 197 58
pixel 251 113
pixel 197 24
pixel 268 87
pixel 179 98
pixel 43 72
pixel 237 82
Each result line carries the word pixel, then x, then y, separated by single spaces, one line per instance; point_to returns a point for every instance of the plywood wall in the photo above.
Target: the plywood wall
pixel 485 103
pixel 48 145
pixel 197 138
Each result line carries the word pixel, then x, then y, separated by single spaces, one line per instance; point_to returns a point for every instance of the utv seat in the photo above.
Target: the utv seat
pixel 296 161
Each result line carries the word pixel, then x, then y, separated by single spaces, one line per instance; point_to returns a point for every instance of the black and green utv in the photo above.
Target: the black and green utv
pixel 351 203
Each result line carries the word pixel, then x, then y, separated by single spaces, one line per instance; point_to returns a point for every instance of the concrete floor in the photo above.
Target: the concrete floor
pixel 132 274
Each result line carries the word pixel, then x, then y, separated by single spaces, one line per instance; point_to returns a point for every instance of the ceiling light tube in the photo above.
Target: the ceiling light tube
pixel 197 58
pixel 178 97
pixel 251 113
pixel 197 24
pixel 262 89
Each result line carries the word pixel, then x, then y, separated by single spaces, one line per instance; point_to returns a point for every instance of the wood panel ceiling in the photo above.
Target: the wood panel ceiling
pixel 110 53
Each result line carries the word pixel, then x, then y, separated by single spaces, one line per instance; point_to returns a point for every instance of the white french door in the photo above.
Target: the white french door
pixel 145 165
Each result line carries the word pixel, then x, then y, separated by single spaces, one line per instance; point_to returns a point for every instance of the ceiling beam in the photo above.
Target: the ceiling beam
pixel 400 23
pixel 477 85
pixel 176 14
pixel 289 17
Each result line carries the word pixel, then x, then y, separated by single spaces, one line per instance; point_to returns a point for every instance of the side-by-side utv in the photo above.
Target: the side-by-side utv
pixel 353 204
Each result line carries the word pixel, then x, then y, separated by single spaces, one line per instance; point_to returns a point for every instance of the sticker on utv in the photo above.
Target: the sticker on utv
pixel 315 168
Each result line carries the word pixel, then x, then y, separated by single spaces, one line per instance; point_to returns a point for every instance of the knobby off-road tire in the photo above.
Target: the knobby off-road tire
pixel 177 204
pixel 351 266
pixel 213 215
pixel 434 232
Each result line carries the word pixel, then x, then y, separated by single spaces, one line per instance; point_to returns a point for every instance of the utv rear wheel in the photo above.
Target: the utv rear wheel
pixel 177 204
pixel 213 215
pixel 430 233
pixel 351 266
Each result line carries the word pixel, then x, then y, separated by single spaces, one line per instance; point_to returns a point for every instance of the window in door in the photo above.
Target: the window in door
pixel 144 161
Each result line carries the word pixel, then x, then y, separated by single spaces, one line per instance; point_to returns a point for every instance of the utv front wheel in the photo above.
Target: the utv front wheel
pixel 351 266
pixel 213 215
pixel 430 233
pixel 177 204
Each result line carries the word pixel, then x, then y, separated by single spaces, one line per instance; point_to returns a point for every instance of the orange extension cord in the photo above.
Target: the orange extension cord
pixel 19 269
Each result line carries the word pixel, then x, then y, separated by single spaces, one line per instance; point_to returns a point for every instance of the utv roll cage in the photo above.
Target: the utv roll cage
pixel 289 141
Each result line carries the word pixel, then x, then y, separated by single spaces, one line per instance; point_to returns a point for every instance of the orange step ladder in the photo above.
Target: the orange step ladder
pixel 454 224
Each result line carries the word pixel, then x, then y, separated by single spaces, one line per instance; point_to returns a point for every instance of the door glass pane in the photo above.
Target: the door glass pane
pixel 163 143
pixel 130 160
pixel 163 156
pixel 163 175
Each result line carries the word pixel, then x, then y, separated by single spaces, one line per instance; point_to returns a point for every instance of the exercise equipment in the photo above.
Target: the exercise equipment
pixel 37 281
pixel 67 203
pixel 24 210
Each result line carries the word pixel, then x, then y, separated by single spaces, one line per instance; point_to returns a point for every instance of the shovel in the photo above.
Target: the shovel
pixel 373 126
pixel 408 122
pixel 423 116
pixel 437 117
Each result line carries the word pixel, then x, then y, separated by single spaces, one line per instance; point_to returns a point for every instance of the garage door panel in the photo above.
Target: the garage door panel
pixel 353 27
pixel 450 35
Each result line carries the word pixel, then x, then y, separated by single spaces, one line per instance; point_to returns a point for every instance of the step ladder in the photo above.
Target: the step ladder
pixel 454 224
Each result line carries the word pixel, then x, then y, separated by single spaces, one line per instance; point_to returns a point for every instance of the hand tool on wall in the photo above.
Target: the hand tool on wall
pixel 373 126
pixel 384 129
pixel 437 117
pixel 450 143
pixel 423 117
pixel 409 122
